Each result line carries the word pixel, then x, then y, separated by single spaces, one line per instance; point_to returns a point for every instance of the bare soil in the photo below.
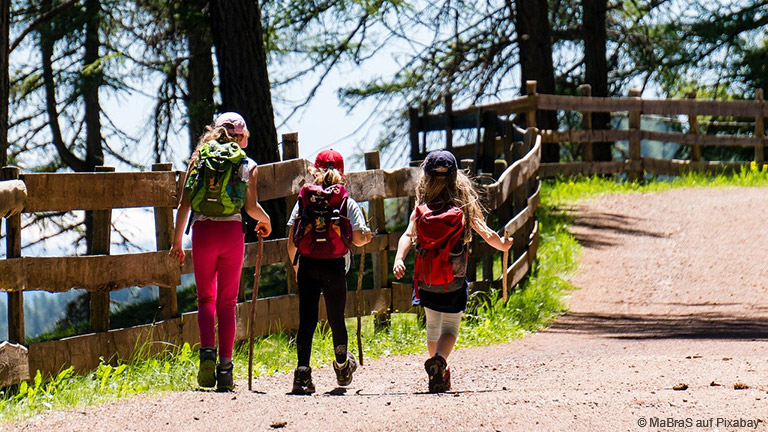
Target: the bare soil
pixel 668 331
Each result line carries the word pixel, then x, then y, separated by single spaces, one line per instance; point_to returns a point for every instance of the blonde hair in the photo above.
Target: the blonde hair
pixel 326 177
pixel 211 133
pixel 457 190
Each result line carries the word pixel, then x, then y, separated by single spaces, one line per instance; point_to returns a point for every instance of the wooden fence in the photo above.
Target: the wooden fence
pixel 633 106
pixel 515 193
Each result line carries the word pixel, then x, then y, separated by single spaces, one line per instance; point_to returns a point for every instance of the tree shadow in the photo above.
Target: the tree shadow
pixel 601 230
pixel 664 326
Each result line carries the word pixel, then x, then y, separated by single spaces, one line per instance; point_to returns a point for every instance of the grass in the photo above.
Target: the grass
pixel 488 319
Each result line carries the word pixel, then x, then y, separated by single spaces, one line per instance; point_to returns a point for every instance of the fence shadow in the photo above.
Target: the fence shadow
pixel 710 325
pixel 600 230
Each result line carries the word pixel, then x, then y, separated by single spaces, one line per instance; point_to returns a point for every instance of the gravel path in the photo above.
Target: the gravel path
pixel 673 293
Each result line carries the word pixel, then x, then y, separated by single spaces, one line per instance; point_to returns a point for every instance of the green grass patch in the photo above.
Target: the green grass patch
pixel 488 319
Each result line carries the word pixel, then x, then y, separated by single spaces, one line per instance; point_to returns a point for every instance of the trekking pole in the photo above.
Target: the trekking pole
pixel 360 307
pixel 252 317
pixel 504 260
pixel 360 299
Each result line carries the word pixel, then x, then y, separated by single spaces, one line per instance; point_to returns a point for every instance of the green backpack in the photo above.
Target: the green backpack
pixel 214 187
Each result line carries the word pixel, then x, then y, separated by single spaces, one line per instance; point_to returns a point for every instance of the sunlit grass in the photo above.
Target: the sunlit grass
pixel 488 320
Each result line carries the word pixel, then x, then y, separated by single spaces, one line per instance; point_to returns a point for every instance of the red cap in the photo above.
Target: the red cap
pixel 330 159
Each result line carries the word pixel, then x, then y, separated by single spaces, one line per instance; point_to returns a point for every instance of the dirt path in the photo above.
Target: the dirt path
pixel 674 291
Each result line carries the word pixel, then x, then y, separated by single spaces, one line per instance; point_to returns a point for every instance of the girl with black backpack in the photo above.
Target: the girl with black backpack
pixel 448 210
pixel 220 182
pixel 322 225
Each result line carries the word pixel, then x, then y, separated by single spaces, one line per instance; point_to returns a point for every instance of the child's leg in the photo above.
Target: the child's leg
pixel 434 322
pixel 229 267
pixel 309 296
pixel 449 333
pixel 442 332
pixel 335 293
pixel 204 256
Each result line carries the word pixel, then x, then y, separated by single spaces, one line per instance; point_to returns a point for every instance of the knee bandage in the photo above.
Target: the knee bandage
pixel 440 323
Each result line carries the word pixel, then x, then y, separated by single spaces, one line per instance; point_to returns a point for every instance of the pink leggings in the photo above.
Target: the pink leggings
pixel 217 253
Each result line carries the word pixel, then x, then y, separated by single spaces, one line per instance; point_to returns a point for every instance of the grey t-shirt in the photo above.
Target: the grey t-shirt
pixel 356 219
pixel 245 174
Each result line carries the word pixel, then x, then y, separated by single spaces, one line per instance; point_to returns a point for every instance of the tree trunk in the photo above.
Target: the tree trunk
pixel 5 24
pixel 535 41
pixel 91 81
pixel 244 83
pixel 596 67
pixel 46 52
pixel 200 107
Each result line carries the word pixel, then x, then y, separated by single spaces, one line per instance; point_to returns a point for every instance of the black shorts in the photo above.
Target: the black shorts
pixel 449 302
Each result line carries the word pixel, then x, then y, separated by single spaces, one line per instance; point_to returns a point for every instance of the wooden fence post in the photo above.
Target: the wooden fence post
pixel 635 156
pixel 102 234
pixel 759 131
pixel 379 259
pixel 169 304
pixel 448 102
pixel 16 330
pixel 530 90
pixel 693 129
pixel 468 166
pixel 505 211
pixel 487 151
pixel 587 153
pixel 519 203
pixel 290 151
pixel 413 132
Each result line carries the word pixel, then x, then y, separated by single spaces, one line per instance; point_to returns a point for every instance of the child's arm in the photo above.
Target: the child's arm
pixel 363 235
pixel 490 236
pixel 252 206
pixel 182 214
pixel 403 247
pixel 292 249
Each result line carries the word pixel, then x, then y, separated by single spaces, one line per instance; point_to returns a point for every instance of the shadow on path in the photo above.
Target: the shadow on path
pixel 656 326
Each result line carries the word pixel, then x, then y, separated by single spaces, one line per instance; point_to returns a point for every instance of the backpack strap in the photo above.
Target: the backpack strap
pixel 189 221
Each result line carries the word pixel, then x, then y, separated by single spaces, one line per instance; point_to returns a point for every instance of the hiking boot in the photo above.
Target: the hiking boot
pixel 344 372
pixel 439 375
pixel 225 382
pixel 206 375
pixel 302 381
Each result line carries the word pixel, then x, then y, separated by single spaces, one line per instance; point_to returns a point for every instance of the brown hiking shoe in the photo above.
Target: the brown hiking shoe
pixel 439 374
pixel 344 371
pixel 302 381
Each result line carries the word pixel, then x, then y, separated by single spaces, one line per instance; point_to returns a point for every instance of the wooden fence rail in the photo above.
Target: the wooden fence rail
pixel 103 272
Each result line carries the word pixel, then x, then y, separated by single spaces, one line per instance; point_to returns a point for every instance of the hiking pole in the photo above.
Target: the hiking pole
pixel 360 306
pixel 252 318
pixel 504 260
pixel 360 297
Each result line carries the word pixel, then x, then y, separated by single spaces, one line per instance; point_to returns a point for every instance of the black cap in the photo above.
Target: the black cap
pixel 440 163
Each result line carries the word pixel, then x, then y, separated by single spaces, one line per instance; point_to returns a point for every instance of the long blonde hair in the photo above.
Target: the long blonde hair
pixel 211 133
pixel 457 190
pixel 326 177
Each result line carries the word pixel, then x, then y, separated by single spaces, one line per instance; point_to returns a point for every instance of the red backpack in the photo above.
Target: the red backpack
pixel 438 233
pixel 322 229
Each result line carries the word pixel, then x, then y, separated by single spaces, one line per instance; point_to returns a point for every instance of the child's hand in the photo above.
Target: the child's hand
pixel 506 243
pixel 177 253
pixel 263 228
pixel 399 268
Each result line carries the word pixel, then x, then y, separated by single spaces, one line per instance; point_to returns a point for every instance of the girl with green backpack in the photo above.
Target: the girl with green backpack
pixel 220 182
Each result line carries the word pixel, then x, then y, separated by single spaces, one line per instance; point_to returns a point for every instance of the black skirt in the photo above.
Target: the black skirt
pixel 449 302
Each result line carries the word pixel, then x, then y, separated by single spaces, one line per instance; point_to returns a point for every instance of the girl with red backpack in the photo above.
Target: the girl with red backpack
pixel 323 224
pixel 216 198
pixel 448 210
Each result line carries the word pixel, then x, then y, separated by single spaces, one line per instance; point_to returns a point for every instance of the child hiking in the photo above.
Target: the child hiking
pixel 323 224
pixel 220 183
pixel 447 211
